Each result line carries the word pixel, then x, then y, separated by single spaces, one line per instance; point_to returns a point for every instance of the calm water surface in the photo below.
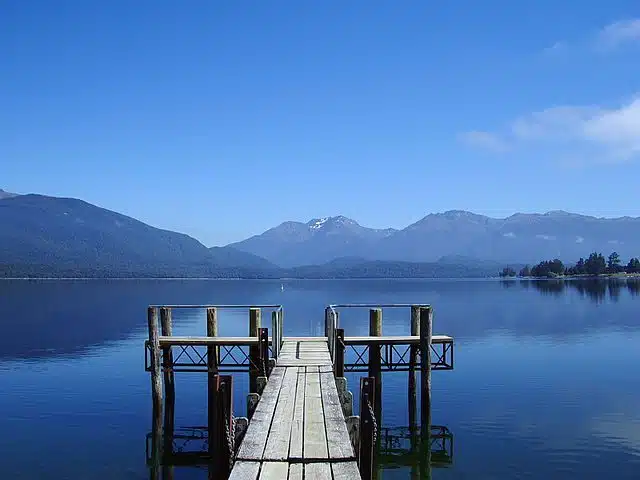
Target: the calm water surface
pixel 545 385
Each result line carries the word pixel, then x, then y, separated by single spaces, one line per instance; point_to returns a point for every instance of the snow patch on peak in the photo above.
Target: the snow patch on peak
pixel 317 223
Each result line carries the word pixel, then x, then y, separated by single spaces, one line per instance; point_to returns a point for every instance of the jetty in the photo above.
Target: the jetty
pixel 300 420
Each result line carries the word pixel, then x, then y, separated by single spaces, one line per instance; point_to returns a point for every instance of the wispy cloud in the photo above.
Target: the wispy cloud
pixel 608 134
pixel 609 38
pixel 484 140
pixel 619 33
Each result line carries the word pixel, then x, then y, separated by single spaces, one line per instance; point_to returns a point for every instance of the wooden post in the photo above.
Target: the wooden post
pixel 255 320
pixel 339 363
pixel 375 360
pixel 426 325
pixel 156 387
pixel 413 372
pixel 225 414
pixel 275 343
pixel 220 418
pixel 169 391
pixel 263 352
pixel 212 331
pixel 328 318
pixel 367 425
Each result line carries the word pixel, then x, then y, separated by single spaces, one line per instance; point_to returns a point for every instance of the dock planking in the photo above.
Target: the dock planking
pixel 295 471
pixel 298 429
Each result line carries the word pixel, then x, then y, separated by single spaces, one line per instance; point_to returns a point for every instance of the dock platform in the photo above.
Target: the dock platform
pixel 300 422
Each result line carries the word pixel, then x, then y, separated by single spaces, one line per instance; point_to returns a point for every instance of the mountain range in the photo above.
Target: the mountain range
pixel 520 238
pixel 51 236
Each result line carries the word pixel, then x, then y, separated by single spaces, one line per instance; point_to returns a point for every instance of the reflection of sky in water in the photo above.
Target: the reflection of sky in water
pixel 544 383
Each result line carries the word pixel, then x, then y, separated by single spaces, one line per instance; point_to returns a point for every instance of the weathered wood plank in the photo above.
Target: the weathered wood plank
pixel 345 471
pixel 395 340
pixel 274 471
pixel 204 341
pixel 297 363
pixel 315 437
pixel 255 439
pixel 296 471
pixel 337 435
pixel 245 471
pixel 297 426
pixel 278 441
pixel 317 471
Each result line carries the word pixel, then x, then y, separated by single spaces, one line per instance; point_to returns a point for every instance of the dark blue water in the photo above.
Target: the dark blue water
pixel 545 385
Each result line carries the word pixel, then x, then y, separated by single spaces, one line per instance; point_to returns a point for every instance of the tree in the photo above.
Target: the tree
pixel 525 271
pixel 613 263
pixel 548 268
pixel 633 266
pixel 508 272
pixel 595 264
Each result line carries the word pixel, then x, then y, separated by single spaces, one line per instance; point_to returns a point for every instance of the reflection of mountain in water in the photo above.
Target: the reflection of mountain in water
pixel 46 318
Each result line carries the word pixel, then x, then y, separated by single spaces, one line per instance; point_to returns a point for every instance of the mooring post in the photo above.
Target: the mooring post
pixel 156 386
pixel 255 320
pixel 339 363
pixel 414 351
pixel 226 442
pixel 369 427
pixel 169 391
pixel 426 325
pixel 375 358
pixel 212 331
pixel 220 425
pixel 275 334
pixel 263 352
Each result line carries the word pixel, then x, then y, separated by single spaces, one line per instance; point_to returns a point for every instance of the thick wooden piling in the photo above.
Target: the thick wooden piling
pixel 212 331
pixel 426 326
pixel 169 392
pixel 220 425
pixel 255 321
pixel 369 427
pixel 375 358
pixel 156 391
pixel 414 352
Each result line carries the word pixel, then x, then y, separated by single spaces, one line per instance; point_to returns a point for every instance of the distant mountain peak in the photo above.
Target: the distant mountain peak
pixel 5 194
pixel 339 220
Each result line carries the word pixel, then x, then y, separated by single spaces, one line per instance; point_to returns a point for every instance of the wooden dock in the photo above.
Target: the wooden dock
pixel 300 422
pixel 298 429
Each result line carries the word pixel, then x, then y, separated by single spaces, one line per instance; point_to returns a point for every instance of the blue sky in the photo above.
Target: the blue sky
pixel 222 119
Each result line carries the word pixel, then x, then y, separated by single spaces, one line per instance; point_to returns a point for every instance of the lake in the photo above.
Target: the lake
pixel 545 383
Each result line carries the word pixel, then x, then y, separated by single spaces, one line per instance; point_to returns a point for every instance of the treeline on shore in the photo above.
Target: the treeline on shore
pixel 333 270
pixel 594 265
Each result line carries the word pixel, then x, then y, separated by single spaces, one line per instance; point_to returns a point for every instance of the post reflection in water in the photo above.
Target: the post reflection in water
pixel 398 447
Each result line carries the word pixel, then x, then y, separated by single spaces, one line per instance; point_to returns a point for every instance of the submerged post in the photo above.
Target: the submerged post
pixel 212 331
pixel 255 320
pixel 426 325
pixel 414 351
pixel 220 426
pixel 369 427
pixel 375 357
pixel 156 388
pixel 169 388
